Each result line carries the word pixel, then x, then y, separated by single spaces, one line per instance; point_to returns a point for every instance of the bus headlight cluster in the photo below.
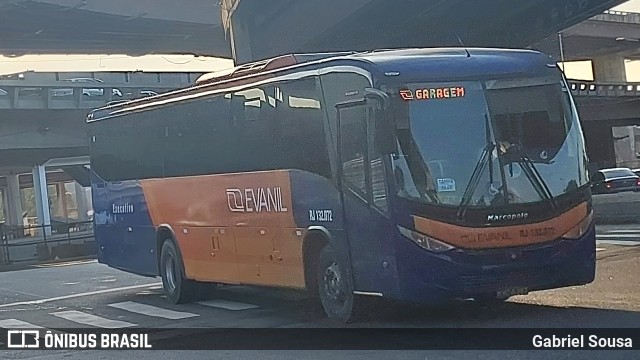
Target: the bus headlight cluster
pixel 425 241
pixel 579 230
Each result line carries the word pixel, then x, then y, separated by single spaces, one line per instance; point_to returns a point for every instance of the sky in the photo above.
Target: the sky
pixel 188 63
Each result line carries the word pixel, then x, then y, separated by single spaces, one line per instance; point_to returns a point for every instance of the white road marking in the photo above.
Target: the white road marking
pixel 68 263
pixel 621 243
pixel 150 310
pixel 618 236
pixel 637 231
pixel 227 305
pixel 92 320
pixel 17 324
pixel 600 249
pixel 72 296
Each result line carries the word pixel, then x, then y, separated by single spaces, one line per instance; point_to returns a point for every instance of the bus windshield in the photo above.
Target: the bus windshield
pixel 492 143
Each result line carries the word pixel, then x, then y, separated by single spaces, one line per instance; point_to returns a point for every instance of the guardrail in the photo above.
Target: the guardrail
pixel 37 95
pixel 592 89
pixel 46 242
pixel 618 16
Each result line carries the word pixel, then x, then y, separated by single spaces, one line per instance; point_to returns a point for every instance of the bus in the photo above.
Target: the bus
pixel 416 175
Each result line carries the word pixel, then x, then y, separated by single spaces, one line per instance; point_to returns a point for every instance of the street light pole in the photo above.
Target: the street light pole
pixel 561 50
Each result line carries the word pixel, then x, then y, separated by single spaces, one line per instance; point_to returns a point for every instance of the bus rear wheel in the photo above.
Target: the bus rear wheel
pixel 177 288
pixel 335 288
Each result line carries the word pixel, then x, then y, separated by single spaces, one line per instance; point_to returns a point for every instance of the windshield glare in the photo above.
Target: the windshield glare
pixel 492 128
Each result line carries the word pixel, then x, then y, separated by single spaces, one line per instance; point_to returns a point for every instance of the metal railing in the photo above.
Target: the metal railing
pixel 594 89
pixel 618 16
pixel 46 242
pixel 72 96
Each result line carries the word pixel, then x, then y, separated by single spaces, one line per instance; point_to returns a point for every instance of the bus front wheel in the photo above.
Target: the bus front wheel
pixel 177 288
pixel 335 287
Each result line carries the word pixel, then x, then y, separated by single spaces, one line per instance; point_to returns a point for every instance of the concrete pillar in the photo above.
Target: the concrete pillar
pixel 14 201
pixel 5 209
pixel 81 202
pixel 63 207
pixel 42 197
pixel 611 69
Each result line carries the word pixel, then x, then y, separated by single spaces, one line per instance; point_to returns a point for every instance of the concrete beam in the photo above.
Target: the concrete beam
pixel 613 110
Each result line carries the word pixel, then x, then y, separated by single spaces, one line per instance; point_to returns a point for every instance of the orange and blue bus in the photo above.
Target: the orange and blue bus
pixel 417 175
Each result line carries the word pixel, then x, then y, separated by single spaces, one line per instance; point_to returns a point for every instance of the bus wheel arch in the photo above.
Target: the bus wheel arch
pixel 312 245
pixel 163 234
pixel 177 287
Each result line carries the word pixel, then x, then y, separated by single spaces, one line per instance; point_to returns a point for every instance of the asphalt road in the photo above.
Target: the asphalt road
pixel 90 295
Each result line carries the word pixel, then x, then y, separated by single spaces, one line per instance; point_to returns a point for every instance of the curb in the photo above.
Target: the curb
pixel 26 265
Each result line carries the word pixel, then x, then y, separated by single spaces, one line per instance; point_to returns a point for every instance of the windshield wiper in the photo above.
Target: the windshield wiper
pixel 532 174
pixel 485 158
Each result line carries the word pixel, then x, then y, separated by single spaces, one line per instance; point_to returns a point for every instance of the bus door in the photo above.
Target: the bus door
pixel 364 198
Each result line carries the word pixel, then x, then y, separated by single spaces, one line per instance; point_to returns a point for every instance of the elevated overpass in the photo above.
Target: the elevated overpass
pixel 613 32
pixel 132 27
pixel 261 29
pixel 257 29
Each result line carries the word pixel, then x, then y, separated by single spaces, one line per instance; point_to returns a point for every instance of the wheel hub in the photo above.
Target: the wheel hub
pixel 170 274
pixel 333 283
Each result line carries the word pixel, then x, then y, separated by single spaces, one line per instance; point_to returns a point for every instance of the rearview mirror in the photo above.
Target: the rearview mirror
pixel 384 126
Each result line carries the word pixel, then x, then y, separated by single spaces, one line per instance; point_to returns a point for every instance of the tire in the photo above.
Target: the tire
pixel 335 288
pixel 177 288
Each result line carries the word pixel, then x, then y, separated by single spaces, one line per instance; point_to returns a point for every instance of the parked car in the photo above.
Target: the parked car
pixel 636 171
pixel 614 180
pixel 85 91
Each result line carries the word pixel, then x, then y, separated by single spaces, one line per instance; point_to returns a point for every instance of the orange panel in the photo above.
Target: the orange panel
pixel 246 199
pixel 217 258
pixel 269 256
pixel 505 236
pixel 237 202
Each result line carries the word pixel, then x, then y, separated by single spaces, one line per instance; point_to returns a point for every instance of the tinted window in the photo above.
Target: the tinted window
pixel 197 137
pixel 339 87
pixel 353 135
pixel 280 126
pixel 378 183
pixel 609 174
pixel 300 122
pixel 114 149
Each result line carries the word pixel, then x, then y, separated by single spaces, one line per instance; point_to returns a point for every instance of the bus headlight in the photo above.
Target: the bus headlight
pixel 579 230
pixel 425 241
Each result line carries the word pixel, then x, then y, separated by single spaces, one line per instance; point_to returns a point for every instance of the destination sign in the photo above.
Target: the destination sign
pixel 433 93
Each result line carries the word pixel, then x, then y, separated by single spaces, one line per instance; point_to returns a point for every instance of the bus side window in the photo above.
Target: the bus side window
pixel 303 144
pixel 353 146
pixel 378 183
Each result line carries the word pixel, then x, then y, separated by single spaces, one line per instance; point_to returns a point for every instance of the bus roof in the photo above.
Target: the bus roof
pixel 438 64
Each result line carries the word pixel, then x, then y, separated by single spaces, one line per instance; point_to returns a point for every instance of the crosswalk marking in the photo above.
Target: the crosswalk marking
pixel 228 305
pixel 150 310
pixel 66 263
pixel 618 242
pixel 17 324
pixel 637 231
pixel 92 320
pixel 618 236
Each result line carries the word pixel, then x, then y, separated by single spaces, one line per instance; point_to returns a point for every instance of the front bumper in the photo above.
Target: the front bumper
pixel 426 277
